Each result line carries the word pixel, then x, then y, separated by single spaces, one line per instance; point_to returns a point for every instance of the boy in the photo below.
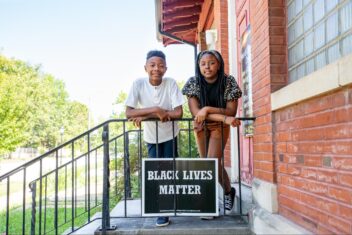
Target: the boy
pixel 156 97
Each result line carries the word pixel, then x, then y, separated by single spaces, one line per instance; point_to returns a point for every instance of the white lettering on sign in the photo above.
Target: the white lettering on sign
pixel 179 189
pixel 197 175
pixel 162 175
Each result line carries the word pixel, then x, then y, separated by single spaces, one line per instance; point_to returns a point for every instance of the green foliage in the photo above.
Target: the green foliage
pixel 33 108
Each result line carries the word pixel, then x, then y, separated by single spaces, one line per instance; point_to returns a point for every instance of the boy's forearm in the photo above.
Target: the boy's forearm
pixel 143 112
pixel 176 113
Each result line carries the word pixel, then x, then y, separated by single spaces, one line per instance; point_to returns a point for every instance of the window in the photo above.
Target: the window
pixel 319 33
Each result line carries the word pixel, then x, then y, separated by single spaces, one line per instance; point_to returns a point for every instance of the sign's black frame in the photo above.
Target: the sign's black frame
pixel 204 204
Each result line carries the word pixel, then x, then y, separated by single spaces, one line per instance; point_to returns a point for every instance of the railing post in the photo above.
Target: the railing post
pixel 33 187
pixel 127 167
pixel 106 183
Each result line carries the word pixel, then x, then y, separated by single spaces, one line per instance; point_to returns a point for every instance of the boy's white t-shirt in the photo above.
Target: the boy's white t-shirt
pixel 166 96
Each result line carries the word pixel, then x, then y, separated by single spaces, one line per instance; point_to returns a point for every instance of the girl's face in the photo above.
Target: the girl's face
pixel 209 67
pixel 156 68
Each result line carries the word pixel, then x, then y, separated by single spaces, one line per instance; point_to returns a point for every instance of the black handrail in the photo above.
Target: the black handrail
pixel 42 187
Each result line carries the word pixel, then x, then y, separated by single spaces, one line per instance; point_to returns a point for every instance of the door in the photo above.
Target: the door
pixel 245 81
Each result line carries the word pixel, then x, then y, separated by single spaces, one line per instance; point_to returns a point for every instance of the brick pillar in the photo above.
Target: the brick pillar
pixel 221 24
pixel 269 72
pixel 201 41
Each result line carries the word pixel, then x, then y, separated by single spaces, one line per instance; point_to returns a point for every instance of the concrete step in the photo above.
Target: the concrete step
pixel 223 225
pixel 134 223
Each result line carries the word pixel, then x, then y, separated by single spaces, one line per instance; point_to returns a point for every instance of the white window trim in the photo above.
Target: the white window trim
pixel 328 78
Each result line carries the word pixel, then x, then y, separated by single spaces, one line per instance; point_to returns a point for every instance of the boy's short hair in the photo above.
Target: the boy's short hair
pixel 156 53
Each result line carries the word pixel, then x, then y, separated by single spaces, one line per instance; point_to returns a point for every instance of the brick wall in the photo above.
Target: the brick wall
pixel 261 69
pixel 314 162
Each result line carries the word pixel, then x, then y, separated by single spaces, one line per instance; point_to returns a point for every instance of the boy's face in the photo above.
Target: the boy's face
pixel 156 68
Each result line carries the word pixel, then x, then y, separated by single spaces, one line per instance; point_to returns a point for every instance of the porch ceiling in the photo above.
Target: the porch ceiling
pixel 179 18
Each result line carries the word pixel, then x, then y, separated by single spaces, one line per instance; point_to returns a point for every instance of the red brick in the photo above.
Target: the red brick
pixel 263 138
pixel 264 156
pixel 346 211
pixel 263 129
pixel 275 78
pixel 328 176
pixel 283 126
pixel 293 170
pixel 292 148
pixel 313 187
pixel 309 147
pixel 276 3
pixel 340 131
pixel 278 50
pixel 317 105
pixel 299 219
pixel 322 229
pixel 283 136
pixel 342 226
pixel 281 147
pixel 289 192
pixel 294 159
pixel 263 147
pixel 311 134
pixel 309 199
pixel 340 147
pixel 342 163
pixel 276 30
pixel 309 173
pixel 263 119
pixel 277 11
pixel 345 179
pixel 287 180
pixel 340 194
pixel 278 59
pixel 313 161
pixel 343 115
pixel 277 21
pixel 267 166
pixel 267 176
pixel 328 206
pixel 282 168
pixel 317 120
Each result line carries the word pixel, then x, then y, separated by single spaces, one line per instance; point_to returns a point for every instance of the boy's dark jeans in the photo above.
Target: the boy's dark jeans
pixel 164 149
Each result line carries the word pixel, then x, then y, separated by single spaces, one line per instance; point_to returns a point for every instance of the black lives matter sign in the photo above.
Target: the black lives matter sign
pixel 182 186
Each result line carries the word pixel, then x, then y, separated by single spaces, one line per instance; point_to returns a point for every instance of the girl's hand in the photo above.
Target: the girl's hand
pixel 198 126
pixel 232 121
pixel 201 115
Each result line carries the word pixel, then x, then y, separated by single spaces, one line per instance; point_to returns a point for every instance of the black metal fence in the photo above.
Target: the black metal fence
pixel 82 180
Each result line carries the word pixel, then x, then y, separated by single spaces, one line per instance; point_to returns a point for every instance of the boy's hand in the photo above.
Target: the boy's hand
pixel 137 121
pixel 163 115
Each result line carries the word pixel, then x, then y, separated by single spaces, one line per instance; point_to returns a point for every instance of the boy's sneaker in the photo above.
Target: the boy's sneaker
pixel 229 198
pixel 162 221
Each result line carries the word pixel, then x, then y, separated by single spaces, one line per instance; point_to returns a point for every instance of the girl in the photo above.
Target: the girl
pixel 212 99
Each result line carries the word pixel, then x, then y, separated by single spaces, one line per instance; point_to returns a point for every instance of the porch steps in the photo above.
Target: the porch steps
pixel 134 224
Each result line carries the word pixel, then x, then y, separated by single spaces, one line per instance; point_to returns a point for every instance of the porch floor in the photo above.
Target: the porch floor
pixel 135 224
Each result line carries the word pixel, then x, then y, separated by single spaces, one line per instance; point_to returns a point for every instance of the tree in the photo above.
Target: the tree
pixel 34 106
pixel 15 87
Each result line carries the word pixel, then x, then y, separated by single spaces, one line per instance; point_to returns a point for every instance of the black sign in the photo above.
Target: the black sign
pixel 182 186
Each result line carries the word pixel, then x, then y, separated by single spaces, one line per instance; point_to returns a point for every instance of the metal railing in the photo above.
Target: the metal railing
pixel 81 180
